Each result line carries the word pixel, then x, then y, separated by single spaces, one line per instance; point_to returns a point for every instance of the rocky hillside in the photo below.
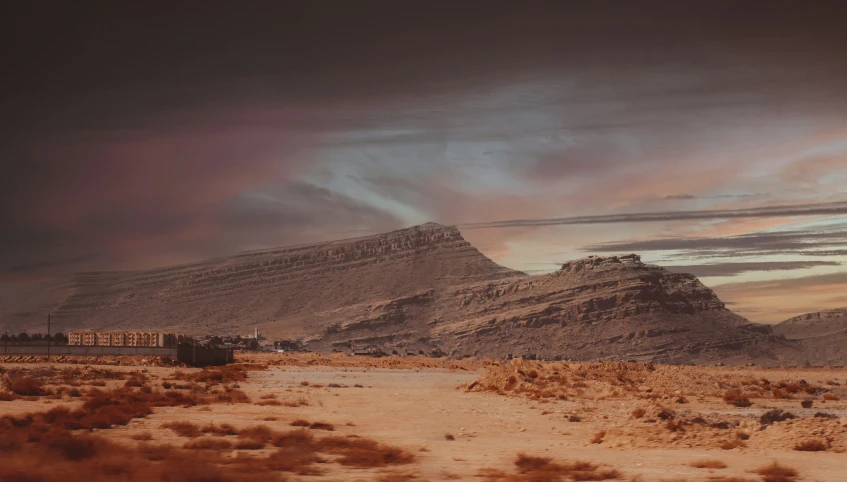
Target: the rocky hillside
pixel 425 288
pixel 821 336
pixel 288 291
pixel 814 325
pixel 597 308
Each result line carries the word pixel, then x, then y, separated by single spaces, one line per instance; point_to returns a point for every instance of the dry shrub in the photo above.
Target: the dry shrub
pixel 574 418
pixel 29 440
pixel 220 430
pixel 269 403
pixel 708 464
pixel 232 395
pixel 269 396
pixel 363 453
pixel 666 414
pixel 26 386
pixel 543 469
pixel 143 436
pixel 598 437
pixel 184 429
pixel 297 402
pixel 775 415
pixel 806 404
pixel 249 445
pixel 675 425
pixel 813 445
pixel 259 433
pixel 300 423
pixel 725 479
pixel 828 416
pixel 733 443
pixel 830 397
pixel 449 436
pixel 8 397
pixel 304 383
pixel 736 398
pixel 638 412
pixel 208 443
pixel 322 426
pixel 777 473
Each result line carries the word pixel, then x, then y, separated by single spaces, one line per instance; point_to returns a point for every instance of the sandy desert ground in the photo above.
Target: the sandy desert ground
pixel 313 417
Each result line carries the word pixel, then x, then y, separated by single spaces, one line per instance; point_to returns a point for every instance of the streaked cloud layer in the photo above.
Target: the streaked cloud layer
pixel 707 137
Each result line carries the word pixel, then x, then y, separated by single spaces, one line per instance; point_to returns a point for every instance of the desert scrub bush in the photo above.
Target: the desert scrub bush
pixel 184 429
pixel 297 402
pixel 269 403
pixel 220 430
pixel 708 464
pixel 208 443
pixel 249 445
pixel 598 437
pixel 26 386
pixel 777 473
pixel 813 445
pixel 531 469
pixel 142 436
pixel 8 396
pixel 299 423
pixel 449 436
pixel 828 416
pixel 666 414
pixel 775 415
pixel 830 397
pixel 736 398
pixel 232 395
pixel 732 443
pixel 638 413
pixel 806 403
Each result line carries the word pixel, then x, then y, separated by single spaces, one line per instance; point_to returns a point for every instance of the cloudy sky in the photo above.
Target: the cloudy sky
pixel 707 136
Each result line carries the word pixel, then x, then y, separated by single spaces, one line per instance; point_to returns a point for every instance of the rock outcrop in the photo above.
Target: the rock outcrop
pixel 821 336
pixel 604 308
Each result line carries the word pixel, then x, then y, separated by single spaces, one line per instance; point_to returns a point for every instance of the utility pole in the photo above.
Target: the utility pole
pixel 48 336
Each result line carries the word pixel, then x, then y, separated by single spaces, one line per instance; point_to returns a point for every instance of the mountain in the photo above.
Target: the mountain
pixel 822 336
pixel 609 308
pixel 288 291
pixel 424 287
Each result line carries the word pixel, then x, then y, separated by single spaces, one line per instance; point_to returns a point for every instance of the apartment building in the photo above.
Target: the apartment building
pixel 123 338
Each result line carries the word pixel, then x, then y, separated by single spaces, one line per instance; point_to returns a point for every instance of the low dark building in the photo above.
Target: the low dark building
pixel 201 356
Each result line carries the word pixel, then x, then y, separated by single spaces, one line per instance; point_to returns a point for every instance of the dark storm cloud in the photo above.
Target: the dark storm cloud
pixel 733 269
pixel 799 210
pixel 137 127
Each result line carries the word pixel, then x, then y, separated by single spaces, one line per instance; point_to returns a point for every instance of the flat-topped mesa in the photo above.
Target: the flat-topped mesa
pixel 601 262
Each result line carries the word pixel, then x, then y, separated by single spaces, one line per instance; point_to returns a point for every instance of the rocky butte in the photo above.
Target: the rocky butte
pixel 421 288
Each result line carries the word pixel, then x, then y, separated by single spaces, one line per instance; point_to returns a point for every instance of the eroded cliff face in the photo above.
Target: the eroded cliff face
pixel 286 291
pixel 601 308
pixel 593 308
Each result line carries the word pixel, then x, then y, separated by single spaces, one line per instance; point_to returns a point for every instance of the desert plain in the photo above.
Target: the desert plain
pixel 337 417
